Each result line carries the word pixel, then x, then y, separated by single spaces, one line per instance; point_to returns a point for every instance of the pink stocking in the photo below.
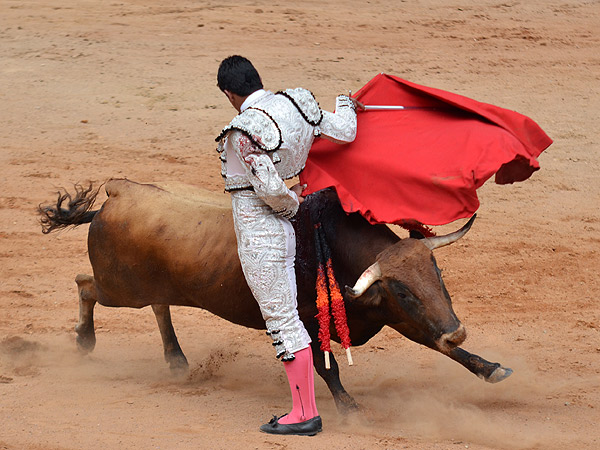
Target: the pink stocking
pixel 302 385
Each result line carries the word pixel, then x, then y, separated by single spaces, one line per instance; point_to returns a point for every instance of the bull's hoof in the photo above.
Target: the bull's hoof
pixel 86 338
pixel 178 364
pixel 346 404
pixel 501 373
pixel 85 344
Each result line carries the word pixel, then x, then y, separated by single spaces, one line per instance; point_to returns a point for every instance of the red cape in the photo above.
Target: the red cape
pixel 423 165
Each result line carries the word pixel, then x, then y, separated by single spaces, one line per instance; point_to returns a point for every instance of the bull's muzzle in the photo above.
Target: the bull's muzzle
pixel 448 341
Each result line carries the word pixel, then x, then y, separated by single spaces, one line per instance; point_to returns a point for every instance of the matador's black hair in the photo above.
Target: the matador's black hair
pixel 237 75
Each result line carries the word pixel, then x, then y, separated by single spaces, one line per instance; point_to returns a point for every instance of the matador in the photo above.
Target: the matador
pixel 266 143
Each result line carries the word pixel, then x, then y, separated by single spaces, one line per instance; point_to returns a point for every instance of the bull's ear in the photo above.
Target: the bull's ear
pixel 371 297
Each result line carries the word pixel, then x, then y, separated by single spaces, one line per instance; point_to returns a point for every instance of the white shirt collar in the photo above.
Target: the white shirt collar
pixel 252 98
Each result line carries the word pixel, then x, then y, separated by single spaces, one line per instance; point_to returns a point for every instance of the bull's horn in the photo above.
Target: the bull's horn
pixel 440 241
pixel 368 277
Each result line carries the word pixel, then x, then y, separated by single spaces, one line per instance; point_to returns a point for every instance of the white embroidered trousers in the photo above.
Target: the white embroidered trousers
pixel 267 249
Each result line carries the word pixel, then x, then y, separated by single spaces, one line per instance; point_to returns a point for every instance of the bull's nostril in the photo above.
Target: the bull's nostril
pixel 455 338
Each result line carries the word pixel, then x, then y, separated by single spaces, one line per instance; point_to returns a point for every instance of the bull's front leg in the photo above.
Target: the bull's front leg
pixel 86 335
pixel 490 372
pixel 173 354
pixel 343 401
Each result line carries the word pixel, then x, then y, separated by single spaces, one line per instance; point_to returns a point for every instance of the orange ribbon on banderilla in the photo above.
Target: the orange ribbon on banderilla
pixel 328 289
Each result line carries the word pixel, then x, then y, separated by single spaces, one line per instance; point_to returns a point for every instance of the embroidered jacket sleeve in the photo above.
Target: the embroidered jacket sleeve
pixel 339 127
pixel 261 172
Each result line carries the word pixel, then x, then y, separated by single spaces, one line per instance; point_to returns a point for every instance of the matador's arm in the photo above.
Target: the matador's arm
pixel 339 127
pixel 261 172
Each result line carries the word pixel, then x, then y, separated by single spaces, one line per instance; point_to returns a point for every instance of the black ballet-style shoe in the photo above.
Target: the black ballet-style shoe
pixel 309 427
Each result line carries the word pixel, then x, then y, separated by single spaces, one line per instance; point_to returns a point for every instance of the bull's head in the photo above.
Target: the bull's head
pixel 405 284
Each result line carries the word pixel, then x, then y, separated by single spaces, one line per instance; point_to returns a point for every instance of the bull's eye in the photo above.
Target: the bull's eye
pixel 405 300
pixel 400 292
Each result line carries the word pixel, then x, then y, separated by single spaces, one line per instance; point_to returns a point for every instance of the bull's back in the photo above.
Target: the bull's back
pixel 169 243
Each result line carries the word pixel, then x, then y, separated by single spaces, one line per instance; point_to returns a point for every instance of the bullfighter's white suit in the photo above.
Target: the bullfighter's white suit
pixel 266 143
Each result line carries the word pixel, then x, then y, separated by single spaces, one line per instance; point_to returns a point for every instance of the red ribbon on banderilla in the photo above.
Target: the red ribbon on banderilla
pixel 328 288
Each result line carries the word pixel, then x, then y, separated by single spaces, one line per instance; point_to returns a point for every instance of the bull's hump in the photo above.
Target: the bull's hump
pixel 168 209
pixel 179 192
pixel 185 224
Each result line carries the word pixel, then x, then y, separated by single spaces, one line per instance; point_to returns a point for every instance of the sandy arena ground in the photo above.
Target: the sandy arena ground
pixel 91 90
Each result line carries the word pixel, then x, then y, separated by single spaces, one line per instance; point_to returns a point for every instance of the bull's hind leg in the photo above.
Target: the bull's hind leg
pixel 86 336
pixel 172 351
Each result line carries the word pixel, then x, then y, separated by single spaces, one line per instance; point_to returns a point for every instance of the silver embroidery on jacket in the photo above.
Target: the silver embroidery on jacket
pixel 259 126
pixel 306 103
pixel 266 241
pixel 296 133
pixel 340 126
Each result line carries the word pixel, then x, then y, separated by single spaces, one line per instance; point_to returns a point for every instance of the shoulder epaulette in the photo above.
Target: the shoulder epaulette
pixel 305 103
pixel 259 126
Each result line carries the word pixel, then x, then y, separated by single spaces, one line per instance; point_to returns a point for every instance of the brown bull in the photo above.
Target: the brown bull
pixel 172 244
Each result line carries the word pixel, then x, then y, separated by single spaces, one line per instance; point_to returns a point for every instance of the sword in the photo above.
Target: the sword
pixel 396 108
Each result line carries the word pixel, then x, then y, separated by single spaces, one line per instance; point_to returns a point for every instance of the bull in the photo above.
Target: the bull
pixel 173 244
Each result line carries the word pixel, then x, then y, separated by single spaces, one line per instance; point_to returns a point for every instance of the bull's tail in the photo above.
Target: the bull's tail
pixel 55 217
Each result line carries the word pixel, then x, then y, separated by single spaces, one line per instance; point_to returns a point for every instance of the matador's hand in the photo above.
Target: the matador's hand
pixel 357 105
pixel 297 189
